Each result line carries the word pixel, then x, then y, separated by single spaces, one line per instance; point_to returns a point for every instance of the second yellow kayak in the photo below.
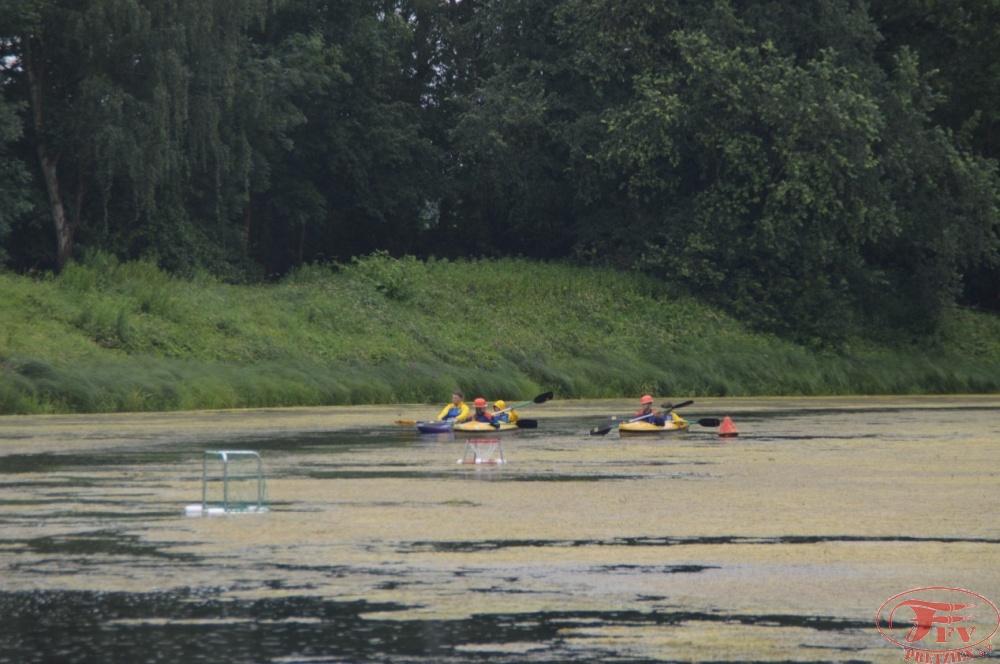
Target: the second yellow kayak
pixel 483 429
pixel 628 428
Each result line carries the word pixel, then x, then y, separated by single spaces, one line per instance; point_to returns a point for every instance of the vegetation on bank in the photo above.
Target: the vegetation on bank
pixel 106 336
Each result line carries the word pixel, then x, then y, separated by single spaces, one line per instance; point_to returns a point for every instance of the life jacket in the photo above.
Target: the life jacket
pixel 459 413
pixel 482 416
pixel 653 417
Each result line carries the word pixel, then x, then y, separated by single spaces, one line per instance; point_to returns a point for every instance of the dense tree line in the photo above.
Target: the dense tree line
pixel 817 167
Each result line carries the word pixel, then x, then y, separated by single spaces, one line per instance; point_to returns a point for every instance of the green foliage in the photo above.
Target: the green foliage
pixel 396 279
pixel 957 41
pixel 358 173
pixel 145 110
pixel 110 336
pixel 799 165
pixel 15 191
pixel 772 165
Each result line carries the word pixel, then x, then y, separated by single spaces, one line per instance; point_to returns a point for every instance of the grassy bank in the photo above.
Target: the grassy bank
pixel 104 337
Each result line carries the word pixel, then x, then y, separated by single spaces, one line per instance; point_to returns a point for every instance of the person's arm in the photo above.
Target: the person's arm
pixel 463 412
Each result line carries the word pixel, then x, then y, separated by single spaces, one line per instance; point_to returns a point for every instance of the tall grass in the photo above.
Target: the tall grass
pixel 105 336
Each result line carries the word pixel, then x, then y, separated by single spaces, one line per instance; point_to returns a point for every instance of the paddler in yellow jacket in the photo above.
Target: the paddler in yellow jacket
pixel 456 411
pixel 510 416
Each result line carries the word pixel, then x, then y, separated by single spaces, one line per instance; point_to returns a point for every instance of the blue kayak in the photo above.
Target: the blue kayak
pixel 437 426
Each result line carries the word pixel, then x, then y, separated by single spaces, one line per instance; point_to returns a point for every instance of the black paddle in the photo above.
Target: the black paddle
pixel 669 408
pixel 603 431
pixel 541 398
pixel 527 424
pixel 705 422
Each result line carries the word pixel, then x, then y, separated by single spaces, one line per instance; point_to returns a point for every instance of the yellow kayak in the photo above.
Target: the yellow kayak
pixel 629 428
pixel 483 429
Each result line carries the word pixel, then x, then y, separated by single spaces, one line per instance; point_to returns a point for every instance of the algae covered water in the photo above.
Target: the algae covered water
pixel 778 545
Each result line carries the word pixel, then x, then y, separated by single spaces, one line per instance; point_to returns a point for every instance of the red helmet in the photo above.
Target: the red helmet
pixel 647 399
pixel 479 403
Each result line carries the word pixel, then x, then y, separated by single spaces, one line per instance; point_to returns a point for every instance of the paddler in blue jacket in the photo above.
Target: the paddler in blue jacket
pixel 647 409
pixel 482 415
pixel 456 411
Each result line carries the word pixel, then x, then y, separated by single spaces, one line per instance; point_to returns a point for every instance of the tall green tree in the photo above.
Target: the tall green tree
pixel 764 154
pixel 362 171
pixel 773 166
pixel 132 107
pixel 958 50
pixel 519 150
pixel 959 53
pixel 15 180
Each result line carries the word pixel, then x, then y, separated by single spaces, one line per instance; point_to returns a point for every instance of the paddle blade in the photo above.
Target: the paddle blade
pixel 527 424
pixel 406 423
pixel 542 398
pixel 710 422
pixel 669 407
pixel 600 431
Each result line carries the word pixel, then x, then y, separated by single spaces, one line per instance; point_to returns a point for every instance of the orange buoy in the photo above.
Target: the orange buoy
pixel 727 429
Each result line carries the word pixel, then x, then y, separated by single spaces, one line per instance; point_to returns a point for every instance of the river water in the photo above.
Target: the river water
pixel 779 545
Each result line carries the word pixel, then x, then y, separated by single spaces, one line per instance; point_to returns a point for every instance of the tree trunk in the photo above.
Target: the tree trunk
pixel 65 230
